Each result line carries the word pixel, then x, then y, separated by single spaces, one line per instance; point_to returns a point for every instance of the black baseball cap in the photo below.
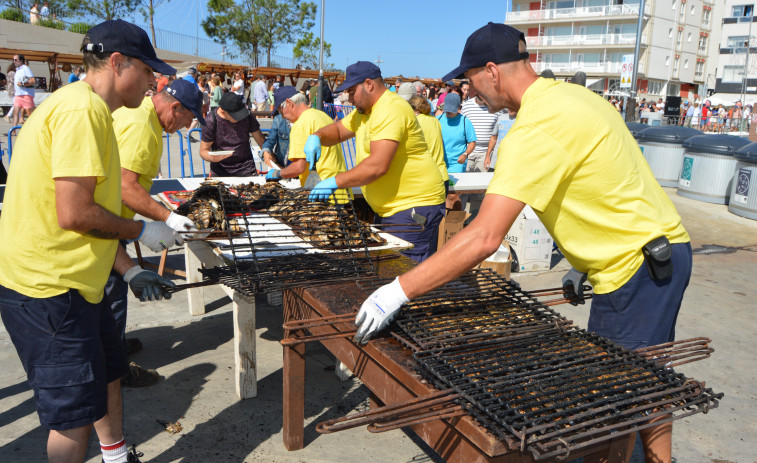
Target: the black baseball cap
pixel 280 96
pixel 189 96
pixel 496 43
pixel 232 104
pixel 357 73
pixel 117 35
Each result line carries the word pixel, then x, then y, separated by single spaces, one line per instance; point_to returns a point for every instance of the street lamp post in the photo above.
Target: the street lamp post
pixel 631 104
pixel 319 97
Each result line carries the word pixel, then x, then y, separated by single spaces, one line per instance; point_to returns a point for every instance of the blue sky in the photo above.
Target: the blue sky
pixel 412 37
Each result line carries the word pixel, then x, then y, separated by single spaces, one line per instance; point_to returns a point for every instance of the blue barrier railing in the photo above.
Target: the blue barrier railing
pixel 189 154
pixel 10 141
pixel 336 111
pixel 168 149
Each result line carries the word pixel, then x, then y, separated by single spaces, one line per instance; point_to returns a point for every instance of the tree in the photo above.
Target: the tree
pixel 284 20
pixel 235 22
pixel 308 51
pixel 147 9
pixel 104 9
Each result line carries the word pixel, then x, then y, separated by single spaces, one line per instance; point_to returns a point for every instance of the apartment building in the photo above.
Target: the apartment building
pixel 677 54
pixel 737 58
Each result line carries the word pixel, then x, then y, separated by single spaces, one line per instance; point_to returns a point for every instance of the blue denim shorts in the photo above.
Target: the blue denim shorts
pixel 643 312
pixel 70 350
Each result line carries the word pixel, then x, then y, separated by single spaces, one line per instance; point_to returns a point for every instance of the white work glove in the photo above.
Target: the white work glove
pixel 572 283
pixel 147 285
pixel 378 310
pixel 158 236
pixel 180 223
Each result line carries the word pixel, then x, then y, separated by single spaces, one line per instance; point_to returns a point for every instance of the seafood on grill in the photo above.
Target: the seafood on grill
pixel 204 208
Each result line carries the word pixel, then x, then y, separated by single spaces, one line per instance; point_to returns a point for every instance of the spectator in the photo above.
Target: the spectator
pixel 312 92
pixel 276 146
pixel 191 76
pixel 45 11
pixel 201 84
pixel 238 86
pixel 464 88
pixel 74 76
pixel 10 89
pixel 24 83
pixel 485 126
pixel 406 91
pixel 60 211
pixel 260 93
pixel 459 139
pixel 228 129
pixel 34 14
pixel 690 109
pixel 305 121
pixel 162 81
pixel 278 83
pixel 432 132
pixel 3 80
pixel 505 121
pixel 216 92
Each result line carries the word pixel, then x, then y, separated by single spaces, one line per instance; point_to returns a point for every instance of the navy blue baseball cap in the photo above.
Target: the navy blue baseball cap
pixel 357 73
pixel 280 96
pixel 496 43
pixel 189 95
pixel 117 35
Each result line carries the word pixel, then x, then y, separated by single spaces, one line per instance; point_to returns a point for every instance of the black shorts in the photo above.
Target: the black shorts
pixel 70 350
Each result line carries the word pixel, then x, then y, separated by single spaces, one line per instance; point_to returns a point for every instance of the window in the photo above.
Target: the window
pixel 674 89
pixel 654 87
pixel 742 10
pixel 733 73
pixel 703 43
pixel 686 64
pixel 670 33
pixel 706 13
pixel 736 41
pixel 689 38
pixel 679 37
pixel 682 13
pixel 676 62
pixel 693 10
pixel 667 61
pixel 673 4
pixel 699 69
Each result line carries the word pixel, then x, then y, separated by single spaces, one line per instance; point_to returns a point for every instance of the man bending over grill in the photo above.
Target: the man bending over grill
pixel 585 177
pixel 305 120
pixel 60 226
pixel 398 176
pixel 139 133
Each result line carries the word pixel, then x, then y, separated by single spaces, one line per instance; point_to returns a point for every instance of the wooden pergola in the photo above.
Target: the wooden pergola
pixel 333 78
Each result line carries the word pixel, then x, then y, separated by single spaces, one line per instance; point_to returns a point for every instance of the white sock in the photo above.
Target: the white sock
pixel 114 453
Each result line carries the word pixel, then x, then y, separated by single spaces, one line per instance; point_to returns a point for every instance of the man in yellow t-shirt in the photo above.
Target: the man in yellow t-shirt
pixel 139 133
pixel 305 120
pixel 398 176
pixel 585 177
pixel 60 227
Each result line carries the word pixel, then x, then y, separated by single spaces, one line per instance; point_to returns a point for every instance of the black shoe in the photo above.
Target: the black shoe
pixel 133 345
pixel 139 377
pixel 193 139
pixel 133 455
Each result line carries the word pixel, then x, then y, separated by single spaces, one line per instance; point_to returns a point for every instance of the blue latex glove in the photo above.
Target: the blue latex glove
pixel 313 150
pixel 323 190
pixel 273 174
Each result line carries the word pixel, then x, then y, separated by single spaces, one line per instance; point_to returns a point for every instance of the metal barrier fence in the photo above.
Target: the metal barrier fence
pixel 348 147
pixel 709 124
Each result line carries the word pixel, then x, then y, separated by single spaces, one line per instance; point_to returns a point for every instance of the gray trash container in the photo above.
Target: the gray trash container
pixel 636 127
pixel 744 189
pixel 707 169
pixel 663 150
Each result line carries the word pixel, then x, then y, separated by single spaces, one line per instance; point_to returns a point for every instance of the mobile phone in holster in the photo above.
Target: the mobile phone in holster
pixel 658 255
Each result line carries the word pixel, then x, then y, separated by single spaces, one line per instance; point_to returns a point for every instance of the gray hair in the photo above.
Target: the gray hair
pixel 298 98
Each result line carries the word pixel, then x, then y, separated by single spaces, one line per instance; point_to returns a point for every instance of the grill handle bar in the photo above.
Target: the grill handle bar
pixel 319 337
pixel 672 354
pixel 395 412
pixel 568 296
pixel 449 412
pixel 307 323
pixel 197 284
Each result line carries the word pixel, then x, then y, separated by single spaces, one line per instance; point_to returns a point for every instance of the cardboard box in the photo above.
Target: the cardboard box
pixel 502 268
pixel 450 226
pixel 530 242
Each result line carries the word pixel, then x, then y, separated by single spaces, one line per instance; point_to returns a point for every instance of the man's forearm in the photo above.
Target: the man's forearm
pixel 333 134
pixel 136 198
pixel 97 222
pixel 295 169
pixel 123 262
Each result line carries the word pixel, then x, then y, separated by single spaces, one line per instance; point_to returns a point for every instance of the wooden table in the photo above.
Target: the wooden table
pixel 388 369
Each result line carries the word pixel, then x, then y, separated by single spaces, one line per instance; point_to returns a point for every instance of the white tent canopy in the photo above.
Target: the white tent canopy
pixel 728 99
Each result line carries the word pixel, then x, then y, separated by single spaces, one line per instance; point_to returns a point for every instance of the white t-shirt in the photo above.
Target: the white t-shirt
pixel 239 83
pixel 23 73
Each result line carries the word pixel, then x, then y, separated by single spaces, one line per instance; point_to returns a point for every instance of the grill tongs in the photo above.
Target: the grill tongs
pixel 445 404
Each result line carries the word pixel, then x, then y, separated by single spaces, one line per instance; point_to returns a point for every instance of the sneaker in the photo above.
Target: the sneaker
pixel 133 455
pixel 193 139
pixel 139 377
pixel 133 345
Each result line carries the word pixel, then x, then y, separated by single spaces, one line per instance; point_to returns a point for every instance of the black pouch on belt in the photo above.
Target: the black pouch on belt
pixel 658 254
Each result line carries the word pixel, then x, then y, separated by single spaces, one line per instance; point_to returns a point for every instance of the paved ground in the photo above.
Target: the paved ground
pixel 195 357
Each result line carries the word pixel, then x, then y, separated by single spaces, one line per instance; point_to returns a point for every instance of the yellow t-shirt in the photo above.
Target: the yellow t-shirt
pixel 432 132
pixel 331 161
pixel 413 178
pixel 69 135
pixel 140 143
pixel 570 156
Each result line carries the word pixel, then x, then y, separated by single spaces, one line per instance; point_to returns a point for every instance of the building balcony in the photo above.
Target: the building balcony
pixel 600 40
pixel 699 77
pixel 573 14
pixel 575 66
